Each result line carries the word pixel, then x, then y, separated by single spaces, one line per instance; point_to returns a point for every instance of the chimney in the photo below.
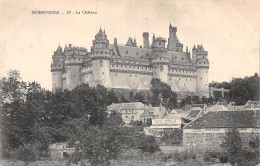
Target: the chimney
pixel 115 42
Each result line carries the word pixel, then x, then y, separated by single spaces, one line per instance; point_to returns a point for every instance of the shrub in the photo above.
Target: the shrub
pixel 185 155
pixel 27 153
pixel 148 144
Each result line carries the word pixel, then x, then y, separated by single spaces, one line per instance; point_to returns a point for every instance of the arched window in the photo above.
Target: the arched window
pixel 161 68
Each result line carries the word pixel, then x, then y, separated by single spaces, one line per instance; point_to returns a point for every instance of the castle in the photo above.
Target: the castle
pixel 132 67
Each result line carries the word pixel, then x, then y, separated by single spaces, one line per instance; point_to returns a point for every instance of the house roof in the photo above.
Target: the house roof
pixel 226 119
pixel 253 103
pixel 176 116
pixel 218 108
pixel 194 112
pixel 126 106
pixel 156 112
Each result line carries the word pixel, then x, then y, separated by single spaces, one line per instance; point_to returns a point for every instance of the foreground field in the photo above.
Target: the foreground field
pixel 168 156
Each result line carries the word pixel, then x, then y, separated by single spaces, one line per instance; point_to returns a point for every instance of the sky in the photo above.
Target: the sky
pixel 227 29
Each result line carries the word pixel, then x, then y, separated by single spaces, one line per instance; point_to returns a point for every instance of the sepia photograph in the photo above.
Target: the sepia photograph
pixel 130 83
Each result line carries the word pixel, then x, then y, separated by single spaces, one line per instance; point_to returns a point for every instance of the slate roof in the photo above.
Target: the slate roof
pixel 194 113
pixel 226 119
pixel 156 112
pixel 218 108
pixel 126 106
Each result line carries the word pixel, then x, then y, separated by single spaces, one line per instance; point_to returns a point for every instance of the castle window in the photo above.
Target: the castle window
pixel 190 71
pixel 105 52
pixel 154 67
pixel 164 58
pixel 126 52
pixel 186 79
pixel 176 57
pixel 159 43
pixel 116 65
pixel 206 71
pixel 130 75
pixel 121 66
pixel 69 59
pixel 201 78
pixel 115 74
pixel 161 67
pixel 182 58
pixel 53 73
pixel 184 84
pixel 170 78
pixel 101 63
pixel 137 53
pixel 203 56
pixel 103 73
pixel 112 65
pixel 142 68
pixel 101 52
pixel 138 67
pixel 160 58
pixel 176 70
pixel 135 75
pixel 74 59
pixel 59 65
pixel 179 78
pixel 125 66
pixel 106 46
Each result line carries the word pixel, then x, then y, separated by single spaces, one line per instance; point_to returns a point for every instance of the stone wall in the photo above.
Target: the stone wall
pixel 210 140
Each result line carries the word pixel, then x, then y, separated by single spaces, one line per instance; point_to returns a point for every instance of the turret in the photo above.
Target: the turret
pixel 73 63
pixel 57 69
pixel 101 59
pixel 194 50
pixel 173 41
pixel 159 60
pixel 146 40
pixel 202 67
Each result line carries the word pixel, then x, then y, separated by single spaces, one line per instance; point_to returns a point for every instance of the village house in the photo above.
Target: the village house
pixel 206 133
pixel 60 150
pixel 136 111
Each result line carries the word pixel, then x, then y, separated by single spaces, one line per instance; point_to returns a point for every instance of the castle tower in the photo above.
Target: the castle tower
pixel 73 64
pixel 202 67
pixel 57 69
pixel 194 50
pixel 101 59
pixel 146 40
pixel 160 60
pixel 173 41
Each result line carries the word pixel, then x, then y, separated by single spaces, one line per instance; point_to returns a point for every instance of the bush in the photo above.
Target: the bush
pixel 148 144
pixel 27 153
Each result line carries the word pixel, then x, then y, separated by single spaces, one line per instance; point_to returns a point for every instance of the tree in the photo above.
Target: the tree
pixel 232 143
pixel 101 144
pixel 148 144
pixel 162 93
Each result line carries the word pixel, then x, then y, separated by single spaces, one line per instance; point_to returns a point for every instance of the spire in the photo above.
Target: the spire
pixel 194 47
pixel 201 48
